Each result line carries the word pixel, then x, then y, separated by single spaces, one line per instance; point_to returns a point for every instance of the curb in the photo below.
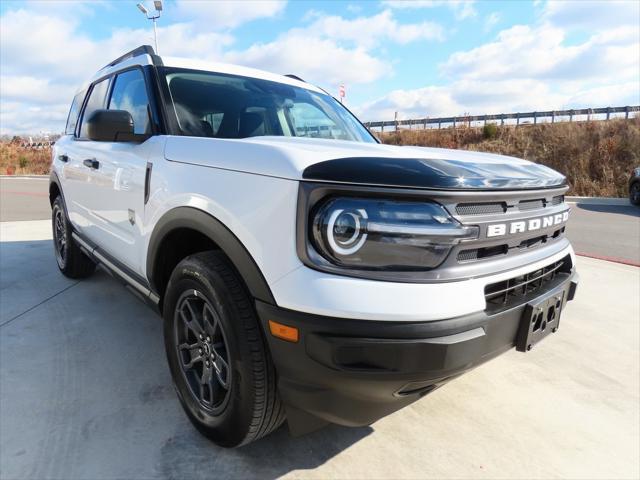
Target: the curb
pixel 26 177
pixel 622 261
pixel 597 200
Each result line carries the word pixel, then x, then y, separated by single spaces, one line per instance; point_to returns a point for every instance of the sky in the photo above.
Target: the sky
pixel 418 57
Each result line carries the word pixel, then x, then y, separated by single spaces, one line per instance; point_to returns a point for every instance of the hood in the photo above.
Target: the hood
pixel 324 160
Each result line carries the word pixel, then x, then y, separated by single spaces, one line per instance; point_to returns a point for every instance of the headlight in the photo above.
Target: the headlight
pixel 374 234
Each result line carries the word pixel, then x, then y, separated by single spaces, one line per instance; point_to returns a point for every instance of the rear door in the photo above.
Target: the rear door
pixel 64 145
pixel 78 177
pixel 118 199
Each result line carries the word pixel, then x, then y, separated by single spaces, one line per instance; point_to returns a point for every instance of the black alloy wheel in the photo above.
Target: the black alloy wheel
pixel 71 260
pixel 219 359
pixel 634 193
pixel 60 236
pixel 203 352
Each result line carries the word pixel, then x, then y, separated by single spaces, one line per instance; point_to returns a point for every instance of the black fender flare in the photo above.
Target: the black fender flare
pixel 53 179
pixel 217 232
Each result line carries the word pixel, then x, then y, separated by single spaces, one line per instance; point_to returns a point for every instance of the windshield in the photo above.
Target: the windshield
pixel 229 106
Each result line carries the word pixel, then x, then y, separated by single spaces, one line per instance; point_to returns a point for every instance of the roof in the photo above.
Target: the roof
pixel 232 69
pixel 145 55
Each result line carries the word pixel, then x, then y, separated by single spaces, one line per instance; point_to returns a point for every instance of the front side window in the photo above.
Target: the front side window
pixel 230 106
pixel 130 94
pixel 97 100
pixel 74 112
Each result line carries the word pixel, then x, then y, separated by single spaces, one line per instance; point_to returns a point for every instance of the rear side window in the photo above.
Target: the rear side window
pixel 72 119
pixel 130 94
pixel 97 100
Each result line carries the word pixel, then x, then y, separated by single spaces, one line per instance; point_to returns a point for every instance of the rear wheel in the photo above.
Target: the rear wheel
pixel 221 367
pixel 634 193
pixel 72 262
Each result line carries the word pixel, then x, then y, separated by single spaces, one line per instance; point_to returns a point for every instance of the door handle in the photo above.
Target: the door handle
pixel 92 163
pixel 63 158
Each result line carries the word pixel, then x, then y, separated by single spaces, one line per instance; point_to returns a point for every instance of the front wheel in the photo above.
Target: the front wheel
pixel 634 193
pixel 219 361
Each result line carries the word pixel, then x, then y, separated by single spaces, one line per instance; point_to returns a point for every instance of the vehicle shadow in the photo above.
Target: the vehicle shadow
pixel 189 455
pixel 136 427
pixel 630 210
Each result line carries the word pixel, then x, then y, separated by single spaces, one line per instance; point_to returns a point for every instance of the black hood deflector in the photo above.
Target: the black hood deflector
pixel 435 173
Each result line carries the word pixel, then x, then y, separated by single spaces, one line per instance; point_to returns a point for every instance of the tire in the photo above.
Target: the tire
pixel 209 317
pixel 72 262
pixel 634 193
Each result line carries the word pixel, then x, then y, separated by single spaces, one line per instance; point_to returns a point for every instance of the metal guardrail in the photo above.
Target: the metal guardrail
pixel 518 117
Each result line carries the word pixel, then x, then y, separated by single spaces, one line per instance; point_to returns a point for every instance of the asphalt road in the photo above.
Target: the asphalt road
pixel 607 231
pixel 610 231
pixel 85 393
pixel 24 198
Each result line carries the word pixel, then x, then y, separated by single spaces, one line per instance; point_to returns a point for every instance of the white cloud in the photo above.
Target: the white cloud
pixel 315 59
pixel 531 67
pixel 462 9
pixel 227 13
pixel 592 15
pixel 45 47
pixel 525 67
pixel 368 32
pixel 329 50
pixel 501 96
pixel 541 52
pixel 178 39
pixel 19 117
pixel 332 50
pixel 459 98
pixel 491 21
pixel 33 90
pixel 40 68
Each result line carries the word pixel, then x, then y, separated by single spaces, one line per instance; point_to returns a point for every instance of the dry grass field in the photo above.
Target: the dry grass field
pixel 23 161
pixel 597 157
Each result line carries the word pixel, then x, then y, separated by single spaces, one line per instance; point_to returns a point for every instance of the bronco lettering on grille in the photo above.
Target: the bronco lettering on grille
pixel 523 226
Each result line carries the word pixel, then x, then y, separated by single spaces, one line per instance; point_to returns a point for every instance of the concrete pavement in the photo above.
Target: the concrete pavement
pixel 85 393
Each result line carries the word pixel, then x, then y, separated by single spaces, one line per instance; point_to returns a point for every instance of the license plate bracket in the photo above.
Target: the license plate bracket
pixel 541 317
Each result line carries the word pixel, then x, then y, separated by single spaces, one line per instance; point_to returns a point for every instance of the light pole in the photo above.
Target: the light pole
pixel 157 4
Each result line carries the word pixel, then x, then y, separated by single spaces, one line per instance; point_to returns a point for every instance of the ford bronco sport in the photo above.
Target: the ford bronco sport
pixel 303 270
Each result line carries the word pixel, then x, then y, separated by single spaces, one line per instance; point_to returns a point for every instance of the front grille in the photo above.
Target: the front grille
pixel 506 292
pixel 483 253
pixel 481 208
pixel 526 205
pixel 497 208
pixel 480 253
pixel 532 242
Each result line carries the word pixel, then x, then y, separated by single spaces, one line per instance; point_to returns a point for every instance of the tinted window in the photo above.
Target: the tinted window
pixel 230 106
pixel 130 94
pixel 72 119
pixel 97 100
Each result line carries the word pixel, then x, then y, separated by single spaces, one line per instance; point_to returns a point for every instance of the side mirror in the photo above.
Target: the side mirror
pixel 110 126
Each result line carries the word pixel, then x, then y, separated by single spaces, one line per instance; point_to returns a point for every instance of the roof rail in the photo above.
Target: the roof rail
pixel 141 50
pixel 295 77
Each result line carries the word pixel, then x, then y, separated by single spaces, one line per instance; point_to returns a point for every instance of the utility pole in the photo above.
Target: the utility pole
pixel 157 4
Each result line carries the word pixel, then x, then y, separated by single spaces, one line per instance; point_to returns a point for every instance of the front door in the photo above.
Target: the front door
pixel 118 200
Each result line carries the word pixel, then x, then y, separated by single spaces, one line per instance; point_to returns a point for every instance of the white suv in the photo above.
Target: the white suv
pixel 303 270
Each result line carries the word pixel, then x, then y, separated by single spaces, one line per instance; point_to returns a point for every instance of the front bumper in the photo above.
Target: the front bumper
pixel 353 372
